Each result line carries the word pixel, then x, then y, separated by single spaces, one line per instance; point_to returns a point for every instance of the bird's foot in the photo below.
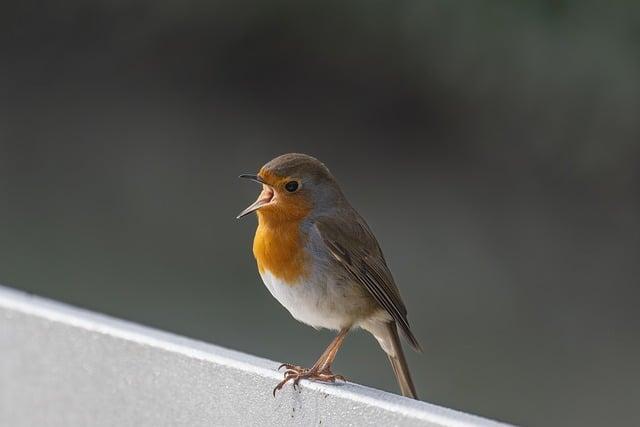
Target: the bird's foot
pixel 289 367
pixel 297 373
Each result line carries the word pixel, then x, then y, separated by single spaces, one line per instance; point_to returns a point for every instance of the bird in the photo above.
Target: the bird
pixel 318 257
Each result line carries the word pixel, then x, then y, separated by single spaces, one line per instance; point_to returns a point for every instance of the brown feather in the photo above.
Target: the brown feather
pixel 399 363
pixel 356 249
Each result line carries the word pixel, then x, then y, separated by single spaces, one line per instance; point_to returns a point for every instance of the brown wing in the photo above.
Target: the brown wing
pixel 354 246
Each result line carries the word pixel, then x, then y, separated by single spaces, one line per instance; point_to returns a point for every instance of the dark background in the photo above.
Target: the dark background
pixel 492 146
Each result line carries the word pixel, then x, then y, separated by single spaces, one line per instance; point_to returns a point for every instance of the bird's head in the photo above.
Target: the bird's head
pixel 293 186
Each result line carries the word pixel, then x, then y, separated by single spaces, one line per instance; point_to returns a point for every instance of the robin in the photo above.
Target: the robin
pixel 319 259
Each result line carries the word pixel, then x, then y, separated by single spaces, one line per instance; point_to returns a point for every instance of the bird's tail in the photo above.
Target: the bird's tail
pixel 393 348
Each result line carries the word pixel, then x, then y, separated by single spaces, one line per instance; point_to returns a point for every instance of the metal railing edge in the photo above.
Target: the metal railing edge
pixel 59 312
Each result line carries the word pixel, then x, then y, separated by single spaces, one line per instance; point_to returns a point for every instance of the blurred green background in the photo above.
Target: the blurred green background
pixel 493 147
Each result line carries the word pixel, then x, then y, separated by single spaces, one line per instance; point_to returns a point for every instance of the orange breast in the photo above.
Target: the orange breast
pixel 279 248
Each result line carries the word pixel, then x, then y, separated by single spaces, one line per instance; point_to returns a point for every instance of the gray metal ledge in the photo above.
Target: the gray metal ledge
pixel 64 366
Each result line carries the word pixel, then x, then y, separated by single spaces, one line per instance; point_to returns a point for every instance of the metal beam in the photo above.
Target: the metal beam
pixel 64 366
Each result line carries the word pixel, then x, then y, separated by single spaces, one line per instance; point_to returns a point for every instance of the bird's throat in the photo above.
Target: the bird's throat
pixel 279 247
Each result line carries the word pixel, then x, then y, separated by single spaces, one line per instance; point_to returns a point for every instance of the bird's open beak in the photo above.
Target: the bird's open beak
pixel 255 178
pixel 264 198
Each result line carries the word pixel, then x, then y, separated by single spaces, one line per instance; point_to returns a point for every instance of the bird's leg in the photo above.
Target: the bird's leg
pixel 324 368
pixel 321 359
pixel 320 371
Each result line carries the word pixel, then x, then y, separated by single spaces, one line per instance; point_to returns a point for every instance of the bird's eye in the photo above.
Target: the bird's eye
pixel 291 186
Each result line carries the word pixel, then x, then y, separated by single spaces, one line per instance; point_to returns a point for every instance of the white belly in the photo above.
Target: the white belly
pixel 311 301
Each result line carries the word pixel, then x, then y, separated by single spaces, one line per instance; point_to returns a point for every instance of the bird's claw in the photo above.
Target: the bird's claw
pixel 290 366
pixel 297 373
